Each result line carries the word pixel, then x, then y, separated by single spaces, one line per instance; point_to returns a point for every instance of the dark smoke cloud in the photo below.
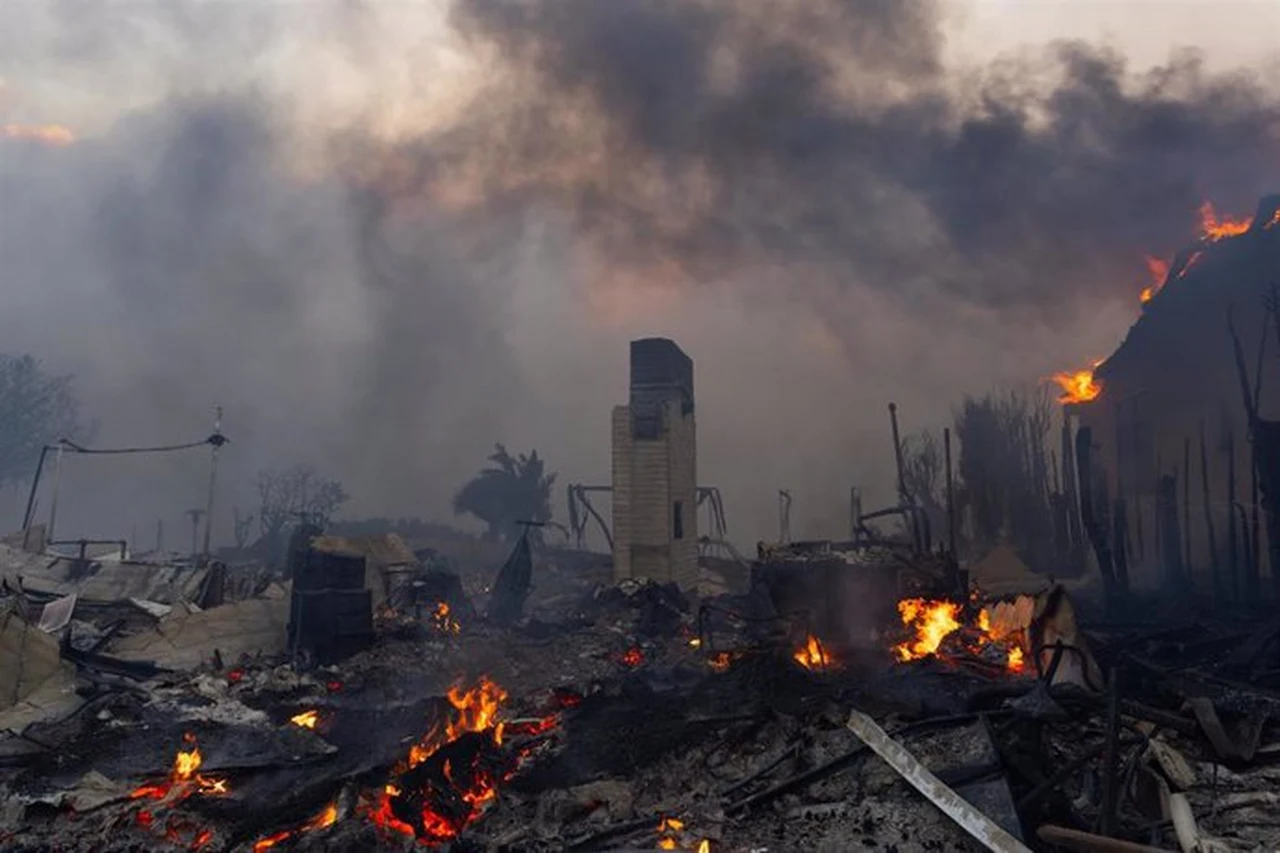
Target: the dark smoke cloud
pixel 835 137
pixel 823 213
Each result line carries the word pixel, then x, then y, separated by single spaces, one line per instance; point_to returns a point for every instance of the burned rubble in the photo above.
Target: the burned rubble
pixel 631 715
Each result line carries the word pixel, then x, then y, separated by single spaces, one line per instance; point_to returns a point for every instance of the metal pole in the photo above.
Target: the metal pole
pixel 53 501
pixel 217 441
pixel 35 485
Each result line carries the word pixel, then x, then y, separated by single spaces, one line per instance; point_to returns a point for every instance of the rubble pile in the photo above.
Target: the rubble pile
pixel 629 716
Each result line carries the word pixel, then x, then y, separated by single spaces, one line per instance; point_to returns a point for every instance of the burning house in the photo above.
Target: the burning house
pixel 1168 413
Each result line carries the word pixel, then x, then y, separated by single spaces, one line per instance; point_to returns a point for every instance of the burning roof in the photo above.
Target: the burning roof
pixel 1182 332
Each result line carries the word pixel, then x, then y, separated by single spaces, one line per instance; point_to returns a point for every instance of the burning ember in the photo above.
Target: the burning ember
pixel 1213 229
pixel 442 619
pixel 326 818
pixel 632 657
pixel 306 720
pixel 667 830
pixel 184 779
pixel 451 775
pixel 813 655
pixel 1078 387
pixel 720 661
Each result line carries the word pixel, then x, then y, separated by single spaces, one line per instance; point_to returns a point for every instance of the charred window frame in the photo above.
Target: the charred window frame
pixel 677 520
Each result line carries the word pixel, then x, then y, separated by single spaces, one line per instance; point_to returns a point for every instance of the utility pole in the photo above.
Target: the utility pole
pixel 216 440
pixel 784 516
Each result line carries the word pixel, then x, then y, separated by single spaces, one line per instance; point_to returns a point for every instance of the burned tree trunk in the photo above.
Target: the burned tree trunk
pixel 1069 485
pixel 1171 533
pixel 1210 532
pixel 1092 524
pixel 1266 441
pixel 1233 545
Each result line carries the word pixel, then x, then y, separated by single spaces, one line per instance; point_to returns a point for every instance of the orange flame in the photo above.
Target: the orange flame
pixel 632 657
pixel 325 819
pixel 1078 387
pixel 184 779
pixel 932 621
pixel 49 134
pixel 813 655
pixel 1213 229
pixel 443 621
pixel 306 720
pixel 1159 271
pixel 474 711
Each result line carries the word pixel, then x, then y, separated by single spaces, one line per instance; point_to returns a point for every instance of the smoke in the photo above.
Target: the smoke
pixel 383 238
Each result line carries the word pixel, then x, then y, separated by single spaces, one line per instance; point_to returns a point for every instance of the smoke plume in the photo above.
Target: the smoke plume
pixel 383 238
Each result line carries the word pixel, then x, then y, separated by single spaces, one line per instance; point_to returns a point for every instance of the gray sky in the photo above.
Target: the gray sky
pixel 537 195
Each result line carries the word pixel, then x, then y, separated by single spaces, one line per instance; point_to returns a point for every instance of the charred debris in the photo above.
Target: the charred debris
pixel 1022 652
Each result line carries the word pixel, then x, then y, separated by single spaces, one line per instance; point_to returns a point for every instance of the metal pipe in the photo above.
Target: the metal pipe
pixel 57 483
pixel 31 496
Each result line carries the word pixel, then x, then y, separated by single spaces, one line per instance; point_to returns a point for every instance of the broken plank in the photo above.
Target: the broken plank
pixel 906 765
pixel 1087 842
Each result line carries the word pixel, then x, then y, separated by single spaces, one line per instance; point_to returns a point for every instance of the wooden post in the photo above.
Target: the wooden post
pixel 1219 589
pixel 1069 484
pixel 1233 548
pixel 1171 535
pixel 1186 507
pixel 1120 535
pixel 1092 526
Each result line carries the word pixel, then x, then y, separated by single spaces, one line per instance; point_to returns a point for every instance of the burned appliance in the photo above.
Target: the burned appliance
pixel 331 611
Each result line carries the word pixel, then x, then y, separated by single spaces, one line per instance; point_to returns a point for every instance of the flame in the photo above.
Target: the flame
pixel 1078 387
pixel 812 655
pixel 49 134
pixel 1159 271
pixel 325 819
pixel 632 657
pixel 704 846
pixel 932 621
pixel 473 711
pixel 442 619
pixel 306 720
pixel 1213 229
pixel 184 778
pixel 668 829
